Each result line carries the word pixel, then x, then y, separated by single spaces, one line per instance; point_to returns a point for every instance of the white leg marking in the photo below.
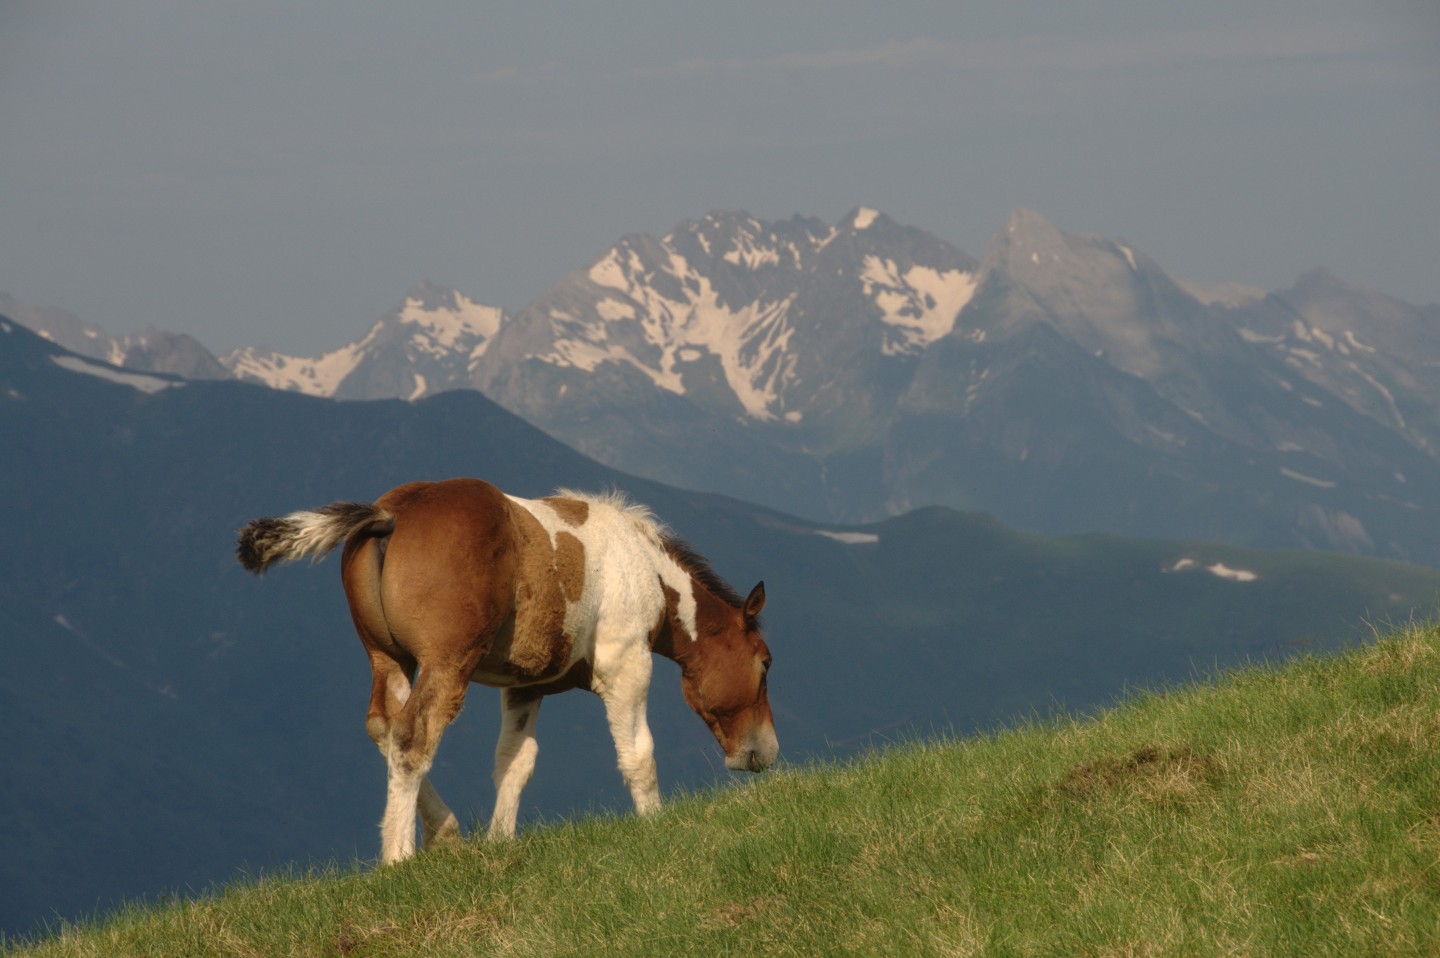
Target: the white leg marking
pixel 397 828
pixel 515 753
pixel 624 698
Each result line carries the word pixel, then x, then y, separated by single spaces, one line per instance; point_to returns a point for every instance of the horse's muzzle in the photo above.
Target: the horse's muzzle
pixel 756 754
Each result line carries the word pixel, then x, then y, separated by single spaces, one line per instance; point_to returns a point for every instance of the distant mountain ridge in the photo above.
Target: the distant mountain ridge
pixel 852 371
pixel 150 351
pixel 424 346
pixel 752 297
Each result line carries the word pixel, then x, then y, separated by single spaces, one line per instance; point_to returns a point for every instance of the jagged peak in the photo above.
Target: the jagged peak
pixel 862 218
pixel 714 226
pixel 1226 295
pixel 1027 239
pixel 1320 278
pixel 1329 303
pixel 1027 222
pixel 1033 251
pixel 429 295
pixel 446 314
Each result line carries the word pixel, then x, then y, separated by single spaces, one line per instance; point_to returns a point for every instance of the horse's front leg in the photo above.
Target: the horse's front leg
pixel 515 753
pixel 624 687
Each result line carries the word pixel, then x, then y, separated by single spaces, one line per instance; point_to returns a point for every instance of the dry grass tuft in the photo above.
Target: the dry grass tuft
pixel 1161 774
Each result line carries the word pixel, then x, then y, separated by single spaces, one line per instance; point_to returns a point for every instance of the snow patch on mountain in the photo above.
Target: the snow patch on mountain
pixel 609 271
pixel 864 218
pixel 440 329
pixel 615 309
pixel 317 376
pixel 1308 480
pixel 680 316
pixel 751 256
pixel 138 381
pixel 849 538
pixel 1218 569
pixel 921 304
pixel 749 340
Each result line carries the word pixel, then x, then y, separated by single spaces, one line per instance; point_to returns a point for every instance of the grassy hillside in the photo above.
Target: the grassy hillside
pixel 1274 811
pixel 245 697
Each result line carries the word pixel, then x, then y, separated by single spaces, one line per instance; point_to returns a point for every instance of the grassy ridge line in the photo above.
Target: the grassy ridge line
pixel 1285 811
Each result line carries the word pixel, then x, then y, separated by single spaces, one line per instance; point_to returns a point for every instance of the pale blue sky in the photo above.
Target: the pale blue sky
pixel 281 172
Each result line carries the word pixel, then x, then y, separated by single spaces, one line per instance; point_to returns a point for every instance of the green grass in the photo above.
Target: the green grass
pixel 1288 811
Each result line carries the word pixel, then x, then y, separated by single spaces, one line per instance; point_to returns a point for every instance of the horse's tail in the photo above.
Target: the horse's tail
pixel 307 534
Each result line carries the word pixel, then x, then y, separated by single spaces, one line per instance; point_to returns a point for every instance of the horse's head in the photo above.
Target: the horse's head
pixel 723 679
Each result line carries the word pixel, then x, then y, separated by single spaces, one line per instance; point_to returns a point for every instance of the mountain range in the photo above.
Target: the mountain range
pixel 172 720
pixel 1062 383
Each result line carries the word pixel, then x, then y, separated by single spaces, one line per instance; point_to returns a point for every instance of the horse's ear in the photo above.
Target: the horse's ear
pixel 755 601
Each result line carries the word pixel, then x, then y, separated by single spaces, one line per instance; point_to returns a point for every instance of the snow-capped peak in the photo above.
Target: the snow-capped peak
pixel 314 376
pixel 759 299
pixel 661 313
pixel 436 326
pixel 447 319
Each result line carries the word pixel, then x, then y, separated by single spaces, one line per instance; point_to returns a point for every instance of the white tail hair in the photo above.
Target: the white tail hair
pixel 309 534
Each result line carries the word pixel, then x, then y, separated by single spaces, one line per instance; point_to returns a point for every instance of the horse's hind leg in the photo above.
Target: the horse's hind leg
pixel 388 694
pixel 410 737
pixel 439 825
pixel 389 691
pixel 391 671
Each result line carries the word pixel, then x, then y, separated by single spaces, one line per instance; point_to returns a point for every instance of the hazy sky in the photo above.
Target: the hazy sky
pixel 282 171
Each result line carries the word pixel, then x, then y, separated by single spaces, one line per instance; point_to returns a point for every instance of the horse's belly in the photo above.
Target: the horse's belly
pixel 536 659
pixel 511 678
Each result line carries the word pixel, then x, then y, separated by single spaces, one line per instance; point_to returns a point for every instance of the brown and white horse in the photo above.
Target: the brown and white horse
pixel 456 582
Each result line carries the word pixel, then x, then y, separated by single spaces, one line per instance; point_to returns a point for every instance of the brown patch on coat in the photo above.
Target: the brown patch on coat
pixel 547 577
pixel 669 631
pixel 438 589
pixel 570 566
pixel 573 512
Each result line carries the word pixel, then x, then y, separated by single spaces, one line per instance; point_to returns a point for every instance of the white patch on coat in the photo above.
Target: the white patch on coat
pixel 624 552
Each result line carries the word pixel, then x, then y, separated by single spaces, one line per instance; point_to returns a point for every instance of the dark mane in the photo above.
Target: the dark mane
pixel 699 567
